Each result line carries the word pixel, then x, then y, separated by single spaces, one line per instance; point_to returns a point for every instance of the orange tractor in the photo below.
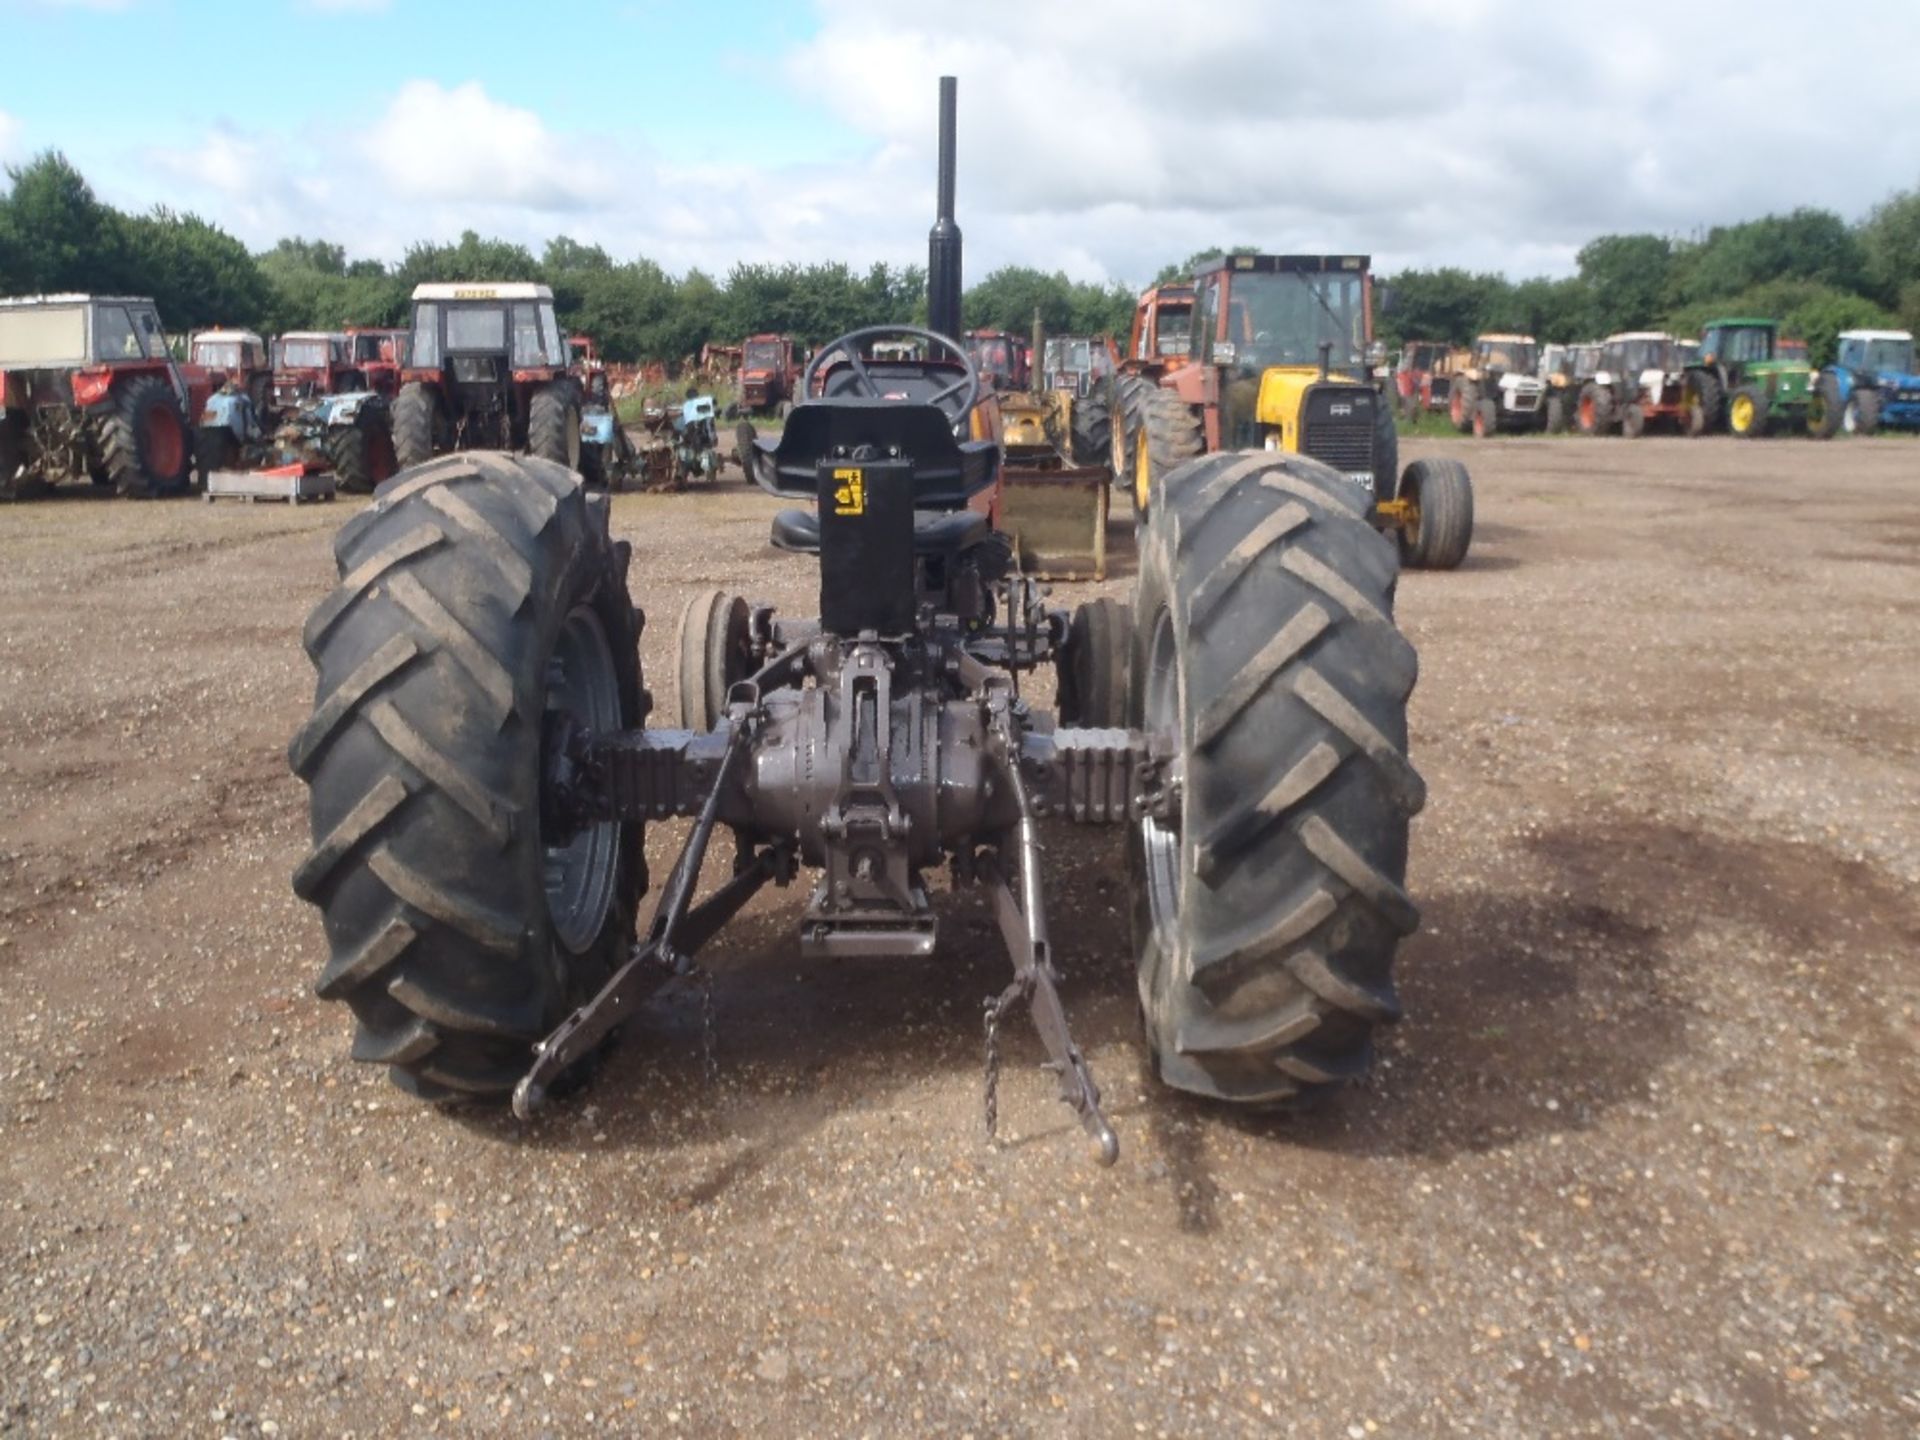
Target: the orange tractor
pixel 1279 355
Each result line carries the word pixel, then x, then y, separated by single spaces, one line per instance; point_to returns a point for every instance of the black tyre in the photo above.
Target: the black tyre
pixel 419 432
pixel 481 600
pixel 1558 422
pixel 1596 415
pixel 1825 409
pixel 361 454
pixel 145 445
pixel 1126 419
pixel 715 653
pixel 1090 440
pixel 553 425
pixel 1633 421
pixel 1862 414
pixel 593 465
pixel 1268 898
pixel 1169 436
pixel 1703 404
pixel 1439 527
pixel 15 482
pixel 1747 412
pixel 1486 419
pixel 1463 399
pixel 214 448
pixel 1386 449
pixel 1094 665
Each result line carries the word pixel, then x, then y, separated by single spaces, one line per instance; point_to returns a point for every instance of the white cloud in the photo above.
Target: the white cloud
pixel 462 145
pixel 1107 142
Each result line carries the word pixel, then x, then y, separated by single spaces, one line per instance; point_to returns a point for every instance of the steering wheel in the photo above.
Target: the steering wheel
pixel 954 402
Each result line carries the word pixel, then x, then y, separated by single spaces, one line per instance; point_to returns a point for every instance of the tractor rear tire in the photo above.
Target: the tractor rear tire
pixel 1703 405
pixel 1633 421
pixel 479 599
pixel 362 454
pixel 1596 409
pixel 1268 905
pixel 1169 436
pixel 715 653
pixel 1126 418
pixel 145 445
pixel 1093 665
pixel 1463 399
pixel 1825 409
pixel 1486 420
pixel 553 425
pixel 1091 439
pixel 418 431
pixel 1440 494
pixel 1747 413
pixel 1862 415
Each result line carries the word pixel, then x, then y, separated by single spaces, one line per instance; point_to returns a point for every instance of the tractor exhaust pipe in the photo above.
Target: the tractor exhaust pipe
pixel 943 241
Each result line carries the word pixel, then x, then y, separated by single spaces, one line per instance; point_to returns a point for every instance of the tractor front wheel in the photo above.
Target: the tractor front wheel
pixel 145 446
pixel 419 432
pixel 553 425
pixel 482 612
pixel 1486 420
pixel 716 653
pixel 1747 412
pixel 1557 422
pixel 1633 421
pixel 1437 501
pixel 1093 665
pixel 1269 870
pixel 1862 415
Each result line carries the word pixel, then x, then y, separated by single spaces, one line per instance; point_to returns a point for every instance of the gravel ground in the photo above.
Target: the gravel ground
pixel 1639 1160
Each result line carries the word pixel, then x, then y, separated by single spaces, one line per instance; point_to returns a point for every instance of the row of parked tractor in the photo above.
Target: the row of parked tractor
pixel 1741 377
pixel 93 390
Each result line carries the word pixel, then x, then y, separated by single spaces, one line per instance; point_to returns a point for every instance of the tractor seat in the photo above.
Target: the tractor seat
pixel 935 532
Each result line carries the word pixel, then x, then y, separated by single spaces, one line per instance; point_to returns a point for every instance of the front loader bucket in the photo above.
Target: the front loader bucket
pixel 1058 519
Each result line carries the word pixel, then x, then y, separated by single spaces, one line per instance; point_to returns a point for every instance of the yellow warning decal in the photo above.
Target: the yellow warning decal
pixel 849 492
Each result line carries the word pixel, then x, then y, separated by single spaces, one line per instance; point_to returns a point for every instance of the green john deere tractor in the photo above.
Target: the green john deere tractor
pixel 1740 384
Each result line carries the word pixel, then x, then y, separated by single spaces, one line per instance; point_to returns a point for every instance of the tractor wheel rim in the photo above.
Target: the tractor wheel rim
pixel 1160 839
pixel 166 446
pixel 1142 471
pixel 581 874
pixel 1742 413
pixel 1850 418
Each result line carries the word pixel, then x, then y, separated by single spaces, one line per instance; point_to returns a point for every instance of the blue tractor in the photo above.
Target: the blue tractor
pixel 1872 383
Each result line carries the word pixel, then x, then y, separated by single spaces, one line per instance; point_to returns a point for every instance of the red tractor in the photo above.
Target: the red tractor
pixel 769 374
pixel 237 357
pixel 90 389
pixel 1004 360
pixel 1420 361
pixel 1158 346
pixel 487 370
pixel 307 363
pixel 379 356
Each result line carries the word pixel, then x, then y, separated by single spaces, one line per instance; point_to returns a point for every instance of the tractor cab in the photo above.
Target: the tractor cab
pixel 307 363
pixel 1002 359
pixel 1278 358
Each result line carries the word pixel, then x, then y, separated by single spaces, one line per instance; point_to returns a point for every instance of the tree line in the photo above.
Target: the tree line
pixel 1810 269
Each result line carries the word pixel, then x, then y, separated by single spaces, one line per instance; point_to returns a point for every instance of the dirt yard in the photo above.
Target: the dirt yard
pixel 1638 1161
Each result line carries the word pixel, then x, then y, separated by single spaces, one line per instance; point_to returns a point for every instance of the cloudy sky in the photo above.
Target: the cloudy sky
pixel 1102 139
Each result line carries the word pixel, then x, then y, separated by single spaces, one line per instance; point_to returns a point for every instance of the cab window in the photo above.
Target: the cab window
pixel 114 337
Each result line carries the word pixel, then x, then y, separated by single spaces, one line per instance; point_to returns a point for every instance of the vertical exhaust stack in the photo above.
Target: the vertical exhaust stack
pixel 943 241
